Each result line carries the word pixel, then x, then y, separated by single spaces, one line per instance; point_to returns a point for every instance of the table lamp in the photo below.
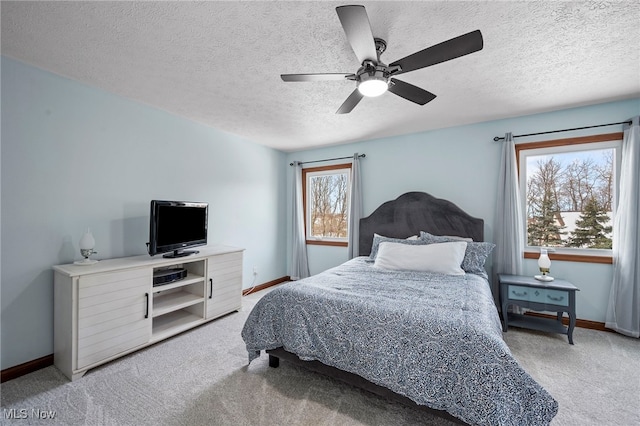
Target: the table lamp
pixel 544 263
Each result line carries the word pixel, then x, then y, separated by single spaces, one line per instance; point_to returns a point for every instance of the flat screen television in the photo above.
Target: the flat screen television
pixel 176 226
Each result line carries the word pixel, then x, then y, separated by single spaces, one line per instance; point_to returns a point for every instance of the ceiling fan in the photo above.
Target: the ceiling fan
pixel 373 78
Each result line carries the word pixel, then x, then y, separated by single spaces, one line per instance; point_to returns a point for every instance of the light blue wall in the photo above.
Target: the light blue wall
pixel 461 164
pixel 75 157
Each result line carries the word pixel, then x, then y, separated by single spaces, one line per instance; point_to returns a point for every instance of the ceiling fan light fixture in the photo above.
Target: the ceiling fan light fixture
pixel 373 87
pixel 372 80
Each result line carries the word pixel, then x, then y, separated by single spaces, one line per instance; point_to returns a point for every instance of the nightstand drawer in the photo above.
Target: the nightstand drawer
pixel 553 297
pixel 549 296
pixel 517 292
pixel 539 295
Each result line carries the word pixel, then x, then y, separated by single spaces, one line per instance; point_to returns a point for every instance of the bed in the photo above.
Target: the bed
pixel 427 336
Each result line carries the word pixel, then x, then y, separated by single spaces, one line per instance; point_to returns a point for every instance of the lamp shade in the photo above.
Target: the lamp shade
pixel 87 242
pixel 543 261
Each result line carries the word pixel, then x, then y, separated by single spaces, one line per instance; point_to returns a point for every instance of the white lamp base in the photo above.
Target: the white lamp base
pixel 545 278
pixel 85 262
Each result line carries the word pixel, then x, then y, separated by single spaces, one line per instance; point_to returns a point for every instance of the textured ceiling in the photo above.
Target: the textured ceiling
pixel 219 63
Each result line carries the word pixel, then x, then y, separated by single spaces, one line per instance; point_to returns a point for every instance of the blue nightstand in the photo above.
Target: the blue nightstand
pixel 555 296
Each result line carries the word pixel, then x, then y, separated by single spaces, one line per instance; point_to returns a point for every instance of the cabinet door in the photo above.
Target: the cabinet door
pixel 111 314
pixel 224 284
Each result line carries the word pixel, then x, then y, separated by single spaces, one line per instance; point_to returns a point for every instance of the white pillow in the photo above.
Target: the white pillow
pixel 443 258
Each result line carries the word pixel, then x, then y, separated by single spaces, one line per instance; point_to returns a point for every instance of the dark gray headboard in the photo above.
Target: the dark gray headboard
pixel 413 212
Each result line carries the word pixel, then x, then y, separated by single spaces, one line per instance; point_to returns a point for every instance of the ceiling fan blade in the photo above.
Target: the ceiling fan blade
pixel 317 77
pixel 410 92
pixel 354 98
pixel 445 51
pixel 355 23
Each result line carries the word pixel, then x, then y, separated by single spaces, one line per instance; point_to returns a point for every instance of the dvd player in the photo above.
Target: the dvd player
pixel 166 276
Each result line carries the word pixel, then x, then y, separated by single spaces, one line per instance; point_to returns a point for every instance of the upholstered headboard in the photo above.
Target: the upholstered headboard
pixel 413 212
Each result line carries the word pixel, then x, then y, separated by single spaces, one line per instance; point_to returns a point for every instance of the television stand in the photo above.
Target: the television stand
pixel 110 309
pixel 180 253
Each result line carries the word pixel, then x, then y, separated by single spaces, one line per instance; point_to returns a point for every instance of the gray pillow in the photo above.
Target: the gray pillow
pixel 474 257
pixel 377 239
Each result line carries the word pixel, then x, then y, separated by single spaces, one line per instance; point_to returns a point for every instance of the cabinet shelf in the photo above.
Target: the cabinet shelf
pixel 172 323
pixel 164 304
pixel 189 279
pixel 540 324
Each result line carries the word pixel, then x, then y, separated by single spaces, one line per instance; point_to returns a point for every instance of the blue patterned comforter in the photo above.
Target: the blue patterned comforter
pixel 433 338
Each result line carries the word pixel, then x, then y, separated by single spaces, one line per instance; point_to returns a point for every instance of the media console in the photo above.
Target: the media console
pixel 112 308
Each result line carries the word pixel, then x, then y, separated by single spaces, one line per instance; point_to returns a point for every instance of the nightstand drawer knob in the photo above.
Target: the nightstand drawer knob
pixel 524 293
pixel 555 299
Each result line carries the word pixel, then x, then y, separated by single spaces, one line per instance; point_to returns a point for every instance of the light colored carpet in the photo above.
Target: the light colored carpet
pixel 201 377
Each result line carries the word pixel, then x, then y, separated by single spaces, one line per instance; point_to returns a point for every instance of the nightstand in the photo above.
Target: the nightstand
pixel 555 296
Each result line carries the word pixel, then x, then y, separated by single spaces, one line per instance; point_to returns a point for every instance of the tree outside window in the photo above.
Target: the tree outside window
pixel 326 199
pixel 592 229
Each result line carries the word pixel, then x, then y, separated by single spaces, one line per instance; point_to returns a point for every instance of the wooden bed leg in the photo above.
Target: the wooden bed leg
pixel 274 361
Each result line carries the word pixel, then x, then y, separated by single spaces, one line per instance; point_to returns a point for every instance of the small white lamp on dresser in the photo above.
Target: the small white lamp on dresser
pixel 87 244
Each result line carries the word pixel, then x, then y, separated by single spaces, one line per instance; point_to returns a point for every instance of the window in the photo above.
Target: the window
pixel 569 189
pixel 326 204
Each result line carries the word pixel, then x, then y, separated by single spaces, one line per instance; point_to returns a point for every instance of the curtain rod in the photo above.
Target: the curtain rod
pixel 564 130
pixel 330 159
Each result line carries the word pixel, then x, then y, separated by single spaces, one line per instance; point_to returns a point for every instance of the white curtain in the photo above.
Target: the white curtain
pixel 509 227
pixel 623 312
pixel 299 263
pixel 355 206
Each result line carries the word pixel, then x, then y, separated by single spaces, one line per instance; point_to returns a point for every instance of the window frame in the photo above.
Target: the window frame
pixel 533 148
pixel 306 171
